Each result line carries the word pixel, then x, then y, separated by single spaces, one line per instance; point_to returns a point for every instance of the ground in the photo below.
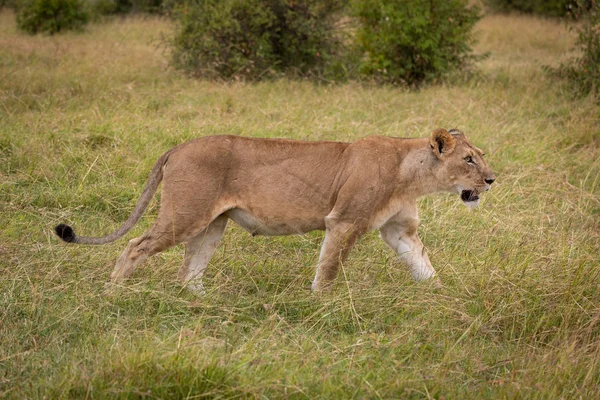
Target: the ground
pixel 83 117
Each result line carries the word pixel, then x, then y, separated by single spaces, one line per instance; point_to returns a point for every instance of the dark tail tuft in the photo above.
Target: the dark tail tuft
pixel 65 232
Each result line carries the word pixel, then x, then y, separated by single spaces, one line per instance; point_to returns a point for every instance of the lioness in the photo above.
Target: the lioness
pixel 284 187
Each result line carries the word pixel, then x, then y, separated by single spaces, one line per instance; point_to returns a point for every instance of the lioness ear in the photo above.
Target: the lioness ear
pixel 442 143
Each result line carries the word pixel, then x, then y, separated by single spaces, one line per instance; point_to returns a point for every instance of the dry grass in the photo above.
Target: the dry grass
pixel 84 116
pixel 523 41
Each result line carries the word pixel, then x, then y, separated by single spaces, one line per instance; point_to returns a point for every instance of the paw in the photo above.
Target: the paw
pixel 320 287
pixel 110 289
pixel 196 287
pixel 315 287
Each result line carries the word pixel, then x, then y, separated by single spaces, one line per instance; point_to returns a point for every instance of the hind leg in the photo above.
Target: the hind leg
pixel 184 213
pixel 340 237
pixel 169 230
pixel 138 250
pixel 198 253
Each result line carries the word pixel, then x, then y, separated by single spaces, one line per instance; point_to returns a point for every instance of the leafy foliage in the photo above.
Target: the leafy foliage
pixel 583 72
pixel 416 41
pixel 253 38
pixel 548 8
pixel 108 7
pixel 8 4
pixel 554 8
pixel 51 16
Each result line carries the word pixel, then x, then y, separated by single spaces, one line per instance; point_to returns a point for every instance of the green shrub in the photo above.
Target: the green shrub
pixel 552 8
pixel 255 39
pixel 101 8
pixel 583 72
pixel 414 41
pixel 548 8
pixel 51 16
pixel 397 41
pixel 147 6
pixel 9 4
pixel 109 7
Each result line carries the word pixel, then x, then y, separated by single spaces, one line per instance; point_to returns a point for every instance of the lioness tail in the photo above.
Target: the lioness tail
pixel 65 232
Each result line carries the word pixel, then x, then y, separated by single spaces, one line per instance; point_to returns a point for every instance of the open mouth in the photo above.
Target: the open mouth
pixel 469 196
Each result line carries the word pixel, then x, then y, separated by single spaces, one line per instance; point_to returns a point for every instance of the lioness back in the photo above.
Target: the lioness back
pixel 257 176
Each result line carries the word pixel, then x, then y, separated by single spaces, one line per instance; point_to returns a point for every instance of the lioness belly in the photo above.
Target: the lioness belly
pixel 274 225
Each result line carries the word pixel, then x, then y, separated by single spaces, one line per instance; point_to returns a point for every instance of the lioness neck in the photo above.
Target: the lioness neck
pixel 418 168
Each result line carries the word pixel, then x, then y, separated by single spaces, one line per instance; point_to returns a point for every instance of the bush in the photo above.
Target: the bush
pixel 552 8
pixel 8 4
pixel 111 7
pixel 583 73
pixel 51 16
pixel 397 41
pixel 548 8
pixel 414 41
pixel 254 39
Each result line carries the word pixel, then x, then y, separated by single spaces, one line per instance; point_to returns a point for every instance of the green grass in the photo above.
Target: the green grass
pixel 84 116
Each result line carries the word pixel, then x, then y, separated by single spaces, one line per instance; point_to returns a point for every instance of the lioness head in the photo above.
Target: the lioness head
pixel 462 169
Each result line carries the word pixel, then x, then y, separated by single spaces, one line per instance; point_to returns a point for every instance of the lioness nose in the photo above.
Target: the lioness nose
pixel 489 181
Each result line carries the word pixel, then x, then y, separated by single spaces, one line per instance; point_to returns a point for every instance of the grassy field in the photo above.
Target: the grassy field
pixel 84 116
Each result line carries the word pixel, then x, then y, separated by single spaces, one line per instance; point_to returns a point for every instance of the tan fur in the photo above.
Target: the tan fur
pixel 281 187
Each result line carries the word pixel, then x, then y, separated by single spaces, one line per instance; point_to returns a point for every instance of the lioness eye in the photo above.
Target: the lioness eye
pixel 469 160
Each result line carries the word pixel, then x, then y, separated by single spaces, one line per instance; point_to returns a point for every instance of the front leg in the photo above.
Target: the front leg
pixel 401 235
